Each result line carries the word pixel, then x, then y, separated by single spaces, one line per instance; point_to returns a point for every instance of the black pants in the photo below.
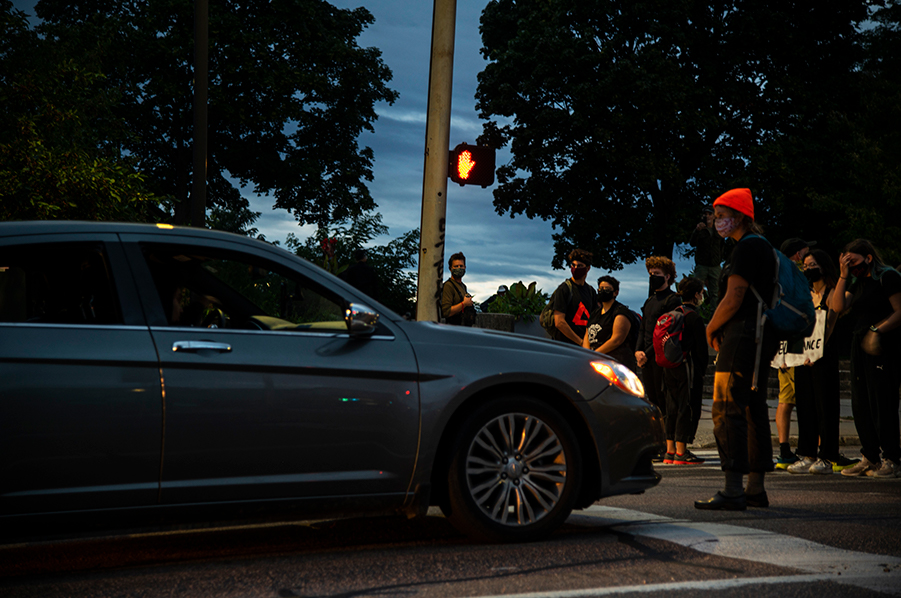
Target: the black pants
pixel 741 423
pixel 874 401
pixel 654 388
pixel 817 406
pixel 683 404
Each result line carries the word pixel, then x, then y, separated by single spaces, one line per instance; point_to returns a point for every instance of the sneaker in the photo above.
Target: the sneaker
pixel 658 458
pixel 784 462
pixel 843 463
pixel 687 458
pixel 822 466
pixel 888 469
pixel 860 469
pixel 802 465
pixel 668 459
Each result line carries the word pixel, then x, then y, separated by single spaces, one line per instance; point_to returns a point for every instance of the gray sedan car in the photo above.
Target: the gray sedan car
pixel 155 374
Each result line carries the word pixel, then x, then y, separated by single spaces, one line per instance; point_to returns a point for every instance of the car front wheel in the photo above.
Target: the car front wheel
pixel 515 472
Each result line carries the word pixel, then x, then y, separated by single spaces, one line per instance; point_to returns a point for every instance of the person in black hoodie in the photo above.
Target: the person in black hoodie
pixel 662 271
pixel 684 384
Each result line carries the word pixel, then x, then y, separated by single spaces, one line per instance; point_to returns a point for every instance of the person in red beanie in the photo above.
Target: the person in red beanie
pixel 741 423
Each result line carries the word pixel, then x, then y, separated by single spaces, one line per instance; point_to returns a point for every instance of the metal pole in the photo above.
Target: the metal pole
pixel 201 85
pixel 437 143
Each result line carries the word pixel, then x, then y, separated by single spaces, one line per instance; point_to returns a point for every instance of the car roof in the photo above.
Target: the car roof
pixel 43 227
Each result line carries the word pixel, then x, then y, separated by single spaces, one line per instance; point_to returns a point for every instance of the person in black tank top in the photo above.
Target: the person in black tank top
pixel 610 327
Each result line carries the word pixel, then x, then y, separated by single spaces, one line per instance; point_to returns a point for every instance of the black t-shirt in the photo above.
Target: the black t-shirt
pixel 576 304
pixel 870 303
pixel 752 259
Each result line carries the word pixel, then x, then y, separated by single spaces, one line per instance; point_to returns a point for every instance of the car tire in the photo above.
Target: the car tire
pixel 515 472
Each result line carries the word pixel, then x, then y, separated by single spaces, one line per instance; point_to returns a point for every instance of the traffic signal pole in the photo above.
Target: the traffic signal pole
pixel 434 179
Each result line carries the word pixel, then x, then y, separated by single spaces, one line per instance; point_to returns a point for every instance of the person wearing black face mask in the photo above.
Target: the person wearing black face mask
pixel 456 302
pixel 871 292
pixel 573 300
pixel 662 272
pixel 610 327
pixel 817 383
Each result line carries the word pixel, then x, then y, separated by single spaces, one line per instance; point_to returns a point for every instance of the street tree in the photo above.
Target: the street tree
pixel 394 263
pixel 60 153
pixel 290 92
pixel 625 117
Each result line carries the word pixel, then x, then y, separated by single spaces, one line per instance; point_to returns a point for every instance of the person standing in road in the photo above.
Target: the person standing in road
pixel 573 300
pixel 817 384
pixel 684 383
pixel 741 423
pixel 662 272
pixel 871 291
pixel 708 254
pixel 796 250
pixel 456 302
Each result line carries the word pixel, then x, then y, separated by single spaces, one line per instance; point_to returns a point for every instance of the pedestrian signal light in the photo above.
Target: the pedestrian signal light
pixel 471 165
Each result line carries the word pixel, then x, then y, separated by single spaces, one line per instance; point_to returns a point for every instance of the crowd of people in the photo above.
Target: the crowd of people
pixel 859 306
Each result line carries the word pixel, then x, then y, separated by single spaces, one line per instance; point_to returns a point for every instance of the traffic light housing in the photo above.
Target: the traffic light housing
pixel 471 165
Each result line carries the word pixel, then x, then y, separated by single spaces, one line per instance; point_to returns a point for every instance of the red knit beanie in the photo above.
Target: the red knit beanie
pixel 739 200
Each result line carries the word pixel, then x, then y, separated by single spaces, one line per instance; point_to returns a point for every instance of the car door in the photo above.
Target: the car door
pixel 80 396
pixel 267 396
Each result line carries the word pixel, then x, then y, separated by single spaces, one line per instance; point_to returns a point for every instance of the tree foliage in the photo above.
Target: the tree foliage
pixel 290 92
pixel 392 262
pixel 624 117
pixel 59 139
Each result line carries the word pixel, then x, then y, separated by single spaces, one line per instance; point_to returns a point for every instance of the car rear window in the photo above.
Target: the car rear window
pixel 57 283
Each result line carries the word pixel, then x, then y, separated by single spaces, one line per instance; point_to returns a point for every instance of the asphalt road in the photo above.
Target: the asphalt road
pixel 822 536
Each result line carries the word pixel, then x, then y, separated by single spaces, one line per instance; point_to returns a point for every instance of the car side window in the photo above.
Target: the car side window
pixel 57 283
pixel 201 287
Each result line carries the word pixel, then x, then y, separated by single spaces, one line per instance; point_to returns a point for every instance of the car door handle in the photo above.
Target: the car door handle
pixel 194 346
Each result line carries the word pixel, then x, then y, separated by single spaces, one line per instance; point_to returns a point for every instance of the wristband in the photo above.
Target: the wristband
pixel 874 329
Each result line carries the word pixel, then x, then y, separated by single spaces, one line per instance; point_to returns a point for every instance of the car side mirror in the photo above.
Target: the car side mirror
pixel 360 319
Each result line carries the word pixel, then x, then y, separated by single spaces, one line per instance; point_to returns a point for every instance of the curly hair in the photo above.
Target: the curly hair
pixel 580 255
pixel 664 263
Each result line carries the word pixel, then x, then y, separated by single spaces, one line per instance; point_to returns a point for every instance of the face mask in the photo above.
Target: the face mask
pixel 725 226
pixel 657 281
pixel 859 270
pixel 605 295
pixel 579 273
pixel 813 274
pixel 458 272
pixel 701 300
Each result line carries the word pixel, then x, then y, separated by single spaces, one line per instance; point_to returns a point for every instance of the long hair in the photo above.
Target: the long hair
pixel 827 267
pixel 864 247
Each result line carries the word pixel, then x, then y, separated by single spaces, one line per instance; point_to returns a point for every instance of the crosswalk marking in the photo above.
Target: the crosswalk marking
pixel 875 572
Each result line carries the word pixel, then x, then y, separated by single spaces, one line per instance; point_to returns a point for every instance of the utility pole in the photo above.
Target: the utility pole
pixel 201 86
pixel 437 143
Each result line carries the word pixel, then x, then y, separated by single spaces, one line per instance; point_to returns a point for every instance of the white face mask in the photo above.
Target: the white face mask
pixel 701 300
pixel 725 226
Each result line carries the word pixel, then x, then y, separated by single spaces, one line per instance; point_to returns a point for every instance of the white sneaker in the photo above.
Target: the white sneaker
pixel 862 468
pixel 802 465
pixel 888 469
pixel 822 466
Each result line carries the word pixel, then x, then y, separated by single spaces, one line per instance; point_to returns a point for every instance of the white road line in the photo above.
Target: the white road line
pixel 713 585
pixel 875 572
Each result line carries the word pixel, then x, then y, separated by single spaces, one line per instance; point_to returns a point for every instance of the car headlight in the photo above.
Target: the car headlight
pixel 620 376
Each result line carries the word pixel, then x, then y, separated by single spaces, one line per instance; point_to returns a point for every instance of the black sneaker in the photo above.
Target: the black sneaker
pixel 687 458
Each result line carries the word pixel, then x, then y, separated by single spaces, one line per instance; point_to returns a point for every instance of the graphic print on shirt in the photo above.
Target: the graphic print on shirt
pixel 581 317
